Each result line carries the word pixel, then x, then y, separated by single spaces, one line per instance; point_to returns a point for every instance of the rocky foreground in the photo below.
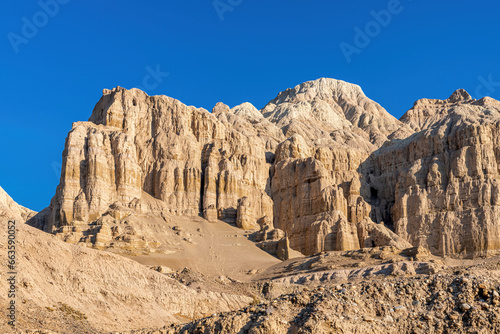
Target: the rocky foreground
pixel 463 302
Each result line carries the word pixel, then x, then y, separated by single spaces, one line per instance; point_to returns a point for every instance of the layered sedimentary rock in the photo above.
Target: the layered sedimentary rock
pixel 440 187
pixel 316 196
pixel 297 159
pixel 316 185
pixel 135 147
pixel 321 161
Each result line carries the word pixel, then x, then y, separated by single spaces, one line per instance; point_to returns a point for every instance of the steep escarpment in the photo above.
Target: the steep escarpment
pixel 156 155
pixel 327 166
pixel 316 187
pixel 440 187
pixel 153 155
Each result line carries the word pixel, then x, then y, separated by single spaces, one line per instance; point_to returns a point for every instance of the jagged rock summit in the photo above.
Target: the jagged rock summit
pixel 322 162
pixel 333 104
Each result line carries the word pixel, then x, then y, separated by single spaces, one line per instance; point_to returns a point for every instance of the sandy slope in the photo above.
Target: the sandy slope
pixel 213 248
pixel 102 291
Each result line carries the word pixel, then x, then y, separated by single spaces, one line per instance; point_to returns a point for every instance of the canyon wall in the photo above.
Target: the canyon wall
pixel 324 163
pixel 440 187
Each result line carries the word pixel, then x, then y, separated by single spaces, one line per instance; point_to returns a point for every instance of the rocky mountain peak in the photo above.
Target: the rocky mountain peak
pixel 330 105
pixel 323 88
pixel 459 95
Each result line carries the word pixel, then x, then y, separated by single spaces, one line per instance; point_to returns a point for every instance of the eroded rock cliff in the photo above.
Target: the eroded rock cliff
pixel 322 162
pixel 316 185
pixel 440 187
pixel 141 154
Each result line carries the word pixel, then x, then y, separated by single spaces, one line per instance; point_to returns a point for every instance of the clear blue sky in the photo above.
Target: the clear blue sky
pixel 428 49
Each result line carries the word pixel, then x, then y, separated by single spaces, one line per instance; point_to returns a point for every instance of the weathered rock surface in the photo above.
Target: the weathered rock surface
pixel 139 154
pixel 136 147
pixel 321 169
pixel 323 162
pixel 274 241
pixel 427 303
pixel 316 187
pixel 331 108
pixel 440 187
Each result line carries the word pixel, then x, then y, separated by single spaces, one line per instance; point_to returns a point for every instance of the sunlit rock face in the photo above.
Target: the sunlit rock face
pixel 440 187
pixel 331 129
pixel 322 162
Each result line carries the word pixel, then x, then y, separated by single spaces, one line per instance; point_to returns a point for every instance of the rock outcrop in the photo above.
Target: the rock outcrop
pixel 136 147
pixel 327 165
pixel 440 187
pixel 152 154
pixel 436 303
pixel 332 127
pixel 331 108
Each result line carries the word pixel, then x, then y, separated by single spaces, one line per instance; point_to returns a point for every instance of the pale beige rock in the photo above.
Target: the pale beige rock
pixel 108 292
pixel 245 218
pixel 136 146
pixel 283 249
pixel 10 209
pixel 335 107
pixel 439 187
pixel 316 187
pixel 219 165
pixel 305 189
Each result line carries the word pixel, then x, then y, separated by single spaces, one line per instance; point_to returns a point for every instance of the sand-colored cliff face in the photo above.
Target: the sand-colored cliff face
pixel 323 162
pixel 440 187
pixel 154 154
pixel 139 154
pixel 180 155
pixel 332 128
